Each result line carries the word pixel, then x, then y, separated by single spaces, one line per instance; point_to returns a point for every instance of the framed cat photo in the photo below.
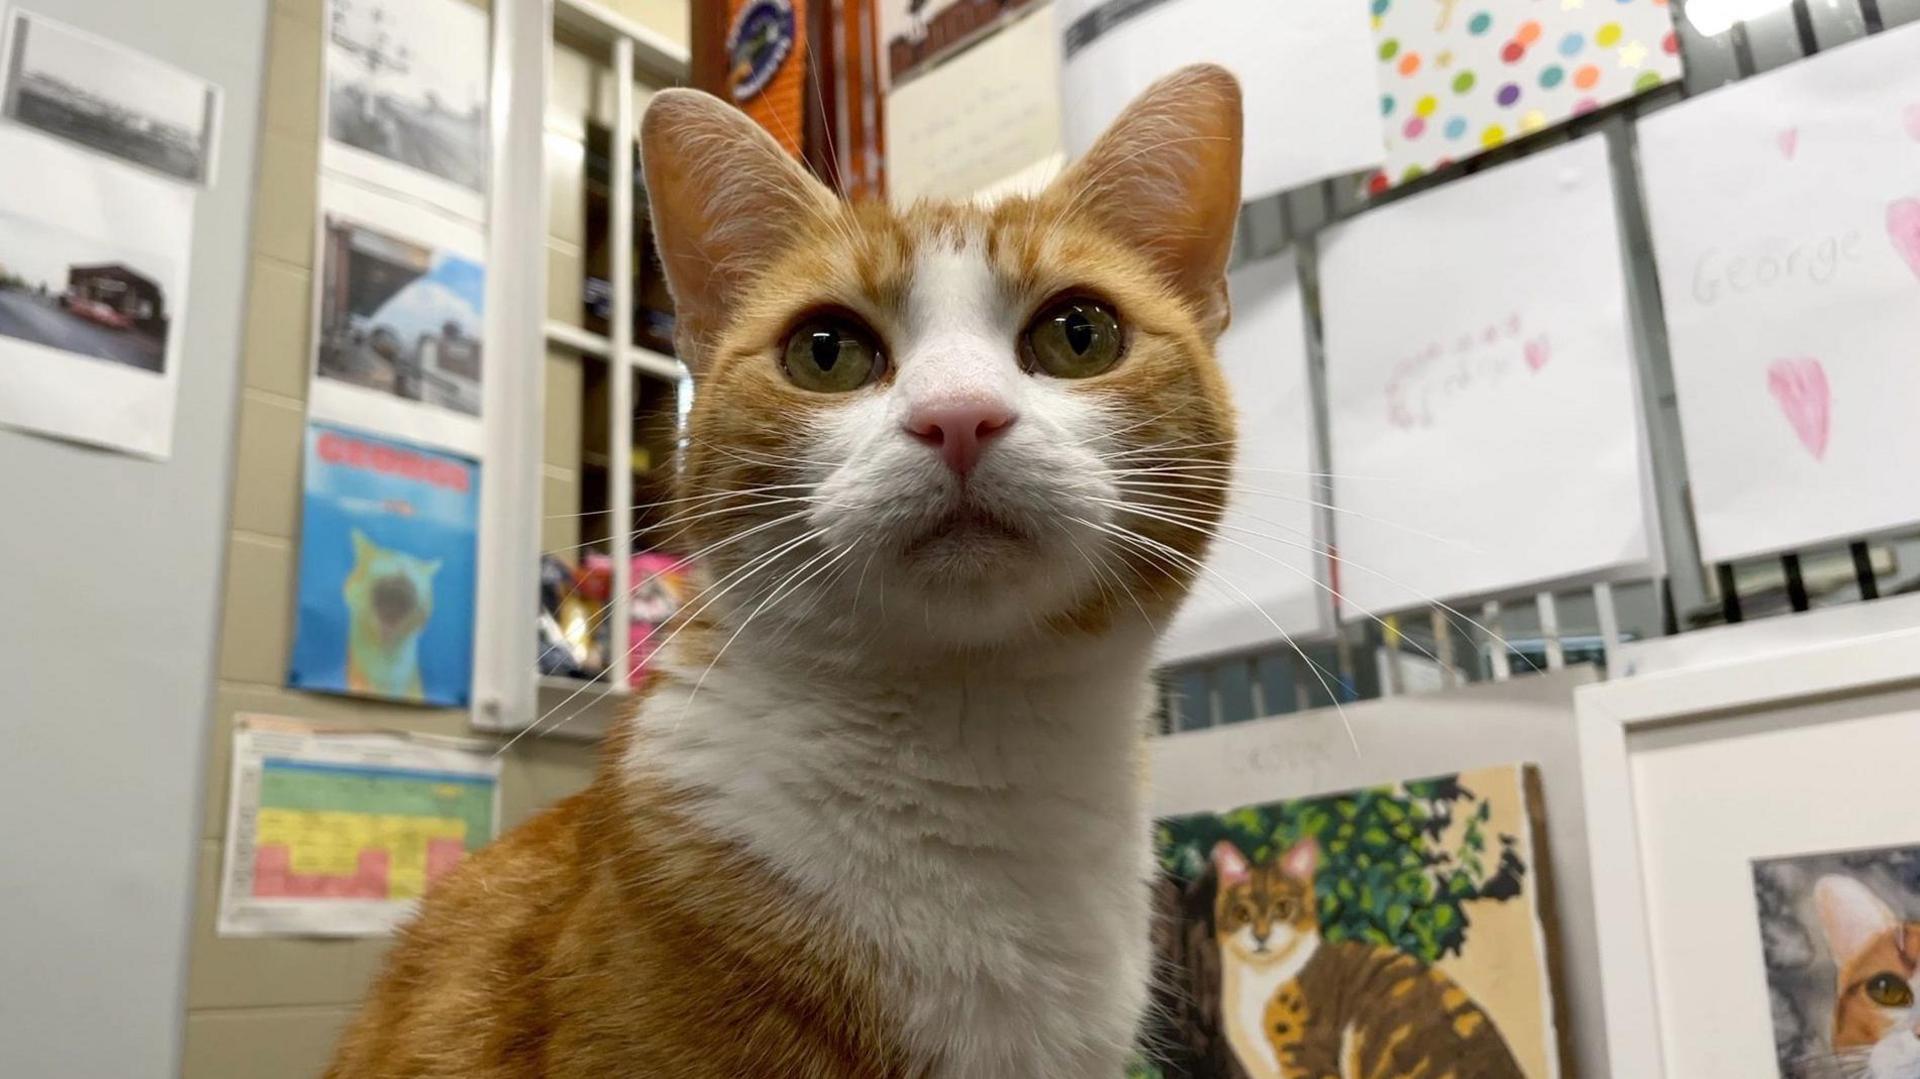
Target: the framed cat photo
pixel 1389 930
pixel 1756 874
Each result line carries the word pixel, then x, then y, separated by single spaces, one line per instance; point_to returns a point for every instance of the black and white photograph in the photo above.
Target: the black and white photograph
pixel 400 317
pixel 407 83
pixel 1834 933
pixel 109 98
pixel 93 265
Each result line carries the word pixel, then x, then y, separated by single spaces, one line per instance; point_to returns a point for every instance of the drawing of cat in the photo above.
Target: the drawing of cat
pixel 1297 1006
pixel 389 598
pixel 1876 956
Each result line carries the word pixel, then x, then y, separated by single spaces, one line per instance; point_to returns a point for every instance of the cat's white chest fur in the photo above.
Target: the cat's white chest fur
pixel 987 833
pixel 1245 991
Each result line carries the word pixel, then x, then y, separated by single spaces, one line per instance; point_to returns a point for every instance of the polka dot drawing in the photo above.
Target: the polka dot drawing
pixel 1465 78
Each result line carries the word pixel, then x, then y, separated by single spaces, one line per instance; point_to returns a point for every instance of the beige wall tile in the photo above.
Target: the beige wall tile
pixel 565 378
pixel 294 76
pixel 308 11
pixel 258 610
pixel 565 274
pixel 261 1043
pixel 559 517
pixel 279 306
pixel 289 191
pixel 266 485
pixel 566 190
pixel 669 18
pixel 569 89
pixel 539 772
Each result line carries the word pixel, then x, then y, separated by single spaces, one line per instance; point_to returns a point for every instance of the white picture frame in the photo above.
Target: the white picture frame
pixel 1788 697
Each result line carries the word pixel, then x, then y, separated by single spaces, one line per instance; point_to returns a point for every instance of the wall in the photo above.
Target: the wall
pixel 108 607
pixel 265 1009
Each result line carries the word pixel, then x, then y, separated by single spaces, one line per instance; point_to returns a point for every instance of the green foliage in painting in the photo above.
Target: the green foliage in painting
pixel 1393 868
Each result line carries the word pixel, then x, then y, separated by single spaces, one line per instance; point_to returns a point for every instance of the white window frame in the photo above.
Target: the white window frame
pixel 508 692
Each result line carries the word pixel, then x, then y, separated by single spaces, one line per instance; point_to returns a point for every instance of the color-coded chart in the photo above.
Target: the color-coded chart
pixel 340 833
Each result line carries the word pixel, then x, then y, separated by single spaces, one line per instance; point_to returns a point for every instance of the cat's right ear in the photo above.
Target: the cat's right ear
pixel 1302 860
pixel 1230 863
pixel 1852 916
pixel 362 546
pixel 724 199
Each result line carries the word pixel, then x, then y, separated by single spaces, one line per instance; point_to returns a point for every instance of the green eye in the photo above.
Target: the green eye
pixel 832 354
pixel 1889 991
pixel 1074 339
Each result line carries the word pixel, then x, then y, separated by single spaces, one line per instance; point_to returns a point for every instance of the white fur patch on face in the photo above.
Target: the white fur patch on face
pixel 964 559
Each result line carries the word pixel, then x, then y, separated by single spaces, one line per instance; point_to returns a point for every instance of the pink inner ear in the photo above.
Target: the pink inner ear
pixel 1302 860
pixel 1230 863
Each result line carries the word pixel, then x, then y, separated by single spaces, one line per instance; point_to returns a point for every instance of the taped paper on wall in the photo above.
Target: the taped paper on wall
pixel 339 833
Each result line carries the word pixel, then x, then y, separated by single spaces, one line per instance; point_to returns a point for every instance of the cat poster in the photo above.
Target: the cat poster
pixel 386 582
pixel 1785 215
pixel 1391 930
pixel 1840 933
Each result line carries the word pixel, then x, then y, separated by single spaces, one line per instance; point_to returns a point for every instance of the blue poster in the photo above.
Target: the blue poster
pixel 387 550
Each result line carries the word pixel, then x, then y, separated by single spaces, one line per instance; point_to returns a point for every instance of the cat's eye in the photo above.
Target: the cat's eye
pixel 832 354
pixel 1889 991
pixel 1076 338
pixel 1283 910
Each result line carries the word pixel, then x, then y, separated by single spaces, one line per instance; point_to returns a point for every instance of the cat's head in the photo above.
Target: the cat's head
pixel 1876 1026
pixel 1263 912
pixel 389 591
pixel 925 431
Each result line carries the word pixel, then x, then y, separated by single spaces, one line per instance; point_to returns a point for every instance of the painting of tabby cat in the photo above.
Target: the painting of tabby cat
pixel 880 812
pixel 1840 934
pixel 1384 933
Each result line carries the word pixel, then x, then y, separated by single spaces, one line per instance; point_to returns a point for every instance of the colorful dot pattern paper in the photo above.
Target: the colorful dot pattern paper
pixel 1461 76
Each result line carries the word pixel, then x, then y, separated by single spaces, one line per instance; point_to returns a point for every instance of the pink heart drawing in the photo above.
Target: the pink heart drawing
pixel 1788 141
pixel 1903 228
pixel 1911 116
pixel 1537 352
pixel 1799 385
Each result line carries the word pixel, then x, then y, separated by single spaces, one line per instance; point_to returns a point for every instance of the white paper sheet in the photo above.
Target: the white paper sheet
pixel 1264 566
pixel 979 119
pixel 405 106
pixel 445 414
pixel 1483 409
pixel 338 833
pixel 1305 68
pixel 1786 226
pixel 94 257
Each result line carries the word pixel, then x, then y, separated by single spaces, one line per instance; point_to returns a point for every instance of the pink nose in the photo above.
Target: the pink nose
pixel 960 429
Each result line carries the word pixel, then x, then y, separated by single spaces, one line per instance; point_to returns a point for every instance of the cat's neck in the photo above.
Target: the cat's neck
pixel 981 826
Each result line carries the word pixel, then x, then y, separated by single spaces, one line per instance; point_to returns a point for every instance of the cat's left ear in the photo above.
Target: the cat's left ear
pixel 433 567
pixel 1165 178
pixel 1852 916
pixel 725 199
pixel 1302 860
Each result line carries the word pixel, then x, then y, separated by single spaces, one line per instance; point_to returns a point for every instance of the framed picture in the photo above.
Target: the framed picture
pixel 1474 796
pixel 1747 880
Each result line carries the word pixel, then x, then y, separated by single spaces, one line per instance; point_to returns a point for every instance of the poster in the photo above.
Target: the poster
pixel 339 833
pixel 1264 564
pixel 93 284
pixel 918 34
pixel 386 586
pixel 399 317
pixel 406 99
pixel 980 120
pixel 1477 347
pixel 1786 227
pixel 1391 930
pixel 108 98
pixel 1305 70
pixel 1456 79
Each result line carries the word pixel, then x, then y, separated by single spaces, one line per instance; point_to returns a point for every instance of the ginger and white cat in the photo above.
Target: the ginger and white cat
pixel 1297 1006
pixel 1876 955
pixel 880 813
